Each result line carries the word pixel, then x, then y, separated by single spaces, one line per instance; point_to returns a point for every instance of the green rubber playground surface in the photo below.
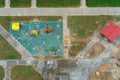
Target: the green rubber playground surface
pixel 47 44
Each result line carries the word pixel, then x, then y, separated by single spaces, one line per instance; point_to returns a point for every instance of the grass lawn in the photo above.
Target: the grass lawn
pixel 58 3
pixel 25 73
pixel 2 4
pixel 5 21
pixel 1 73
pixel 103 3
pixel 83 27
pixel 20 3
pixel 7 51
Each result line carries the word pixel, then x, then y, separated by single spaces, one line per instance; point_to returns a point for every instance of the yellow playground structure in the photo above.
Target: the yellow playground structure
pixel 35 32
pixel 15 26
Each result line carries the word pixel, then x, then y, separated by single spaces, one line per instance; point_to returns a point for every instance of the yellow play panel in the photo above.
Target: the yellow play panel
pixel 15 26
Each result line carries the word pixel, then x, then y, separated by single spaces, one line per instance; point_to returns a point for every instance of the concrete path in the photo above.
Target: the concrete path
pixel 66 30
pixel 108 51
pixel 83 4
pixel 7 71
pixel 40 66
pixel 109 48
pixel 59 11
pixel 7 3
pixel 85 50
pixel 3 63
pixel 24 53
pixel 105 54
pixel 33 3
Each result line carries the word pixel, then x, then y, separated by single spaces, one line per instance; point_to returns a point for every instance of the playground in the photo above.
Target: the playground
pixel 39 38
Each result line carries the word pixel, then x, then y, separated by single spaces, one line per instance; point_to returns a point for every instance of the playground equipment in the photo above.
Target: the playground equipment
pixel 35 32
pixel 38 42
pixel 15 26
pixel 48 29
pixel 53 49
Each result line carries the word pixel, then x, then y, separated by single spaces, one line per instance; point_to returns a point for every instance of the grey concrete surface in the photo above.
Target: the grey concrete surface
pixel 66 30
pixel 7 3
pixel 33 3
pixel 59 11
pixel 83 4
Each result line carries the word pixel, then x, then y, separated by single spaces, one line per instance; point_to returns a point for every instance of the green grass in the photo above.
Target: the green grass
pixel 103 3
pixel 1 73
pixel 2 4
pixel 25 73
pixel 58 3
pixel 83 28
pixel 20 3
pixel 5 21
pixel 7 51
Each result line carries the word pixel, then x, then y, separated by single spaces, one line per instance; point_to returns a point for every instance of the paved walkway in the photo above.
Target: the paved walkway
pixel 58 11
pixel 66 30
pixel 7 3
pixel 7 72
pixel 83 4
pixel 24 53
pixel 33 3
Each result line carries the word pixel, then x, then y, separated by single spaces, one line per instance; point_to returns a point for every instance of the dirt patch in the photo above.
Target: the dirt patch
pixel 103 72
pixel 48 57
pixel 63 70
pixel 76 47
pixel 67 43
pixel 95 51
pixel 115 55
pixel 89 33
